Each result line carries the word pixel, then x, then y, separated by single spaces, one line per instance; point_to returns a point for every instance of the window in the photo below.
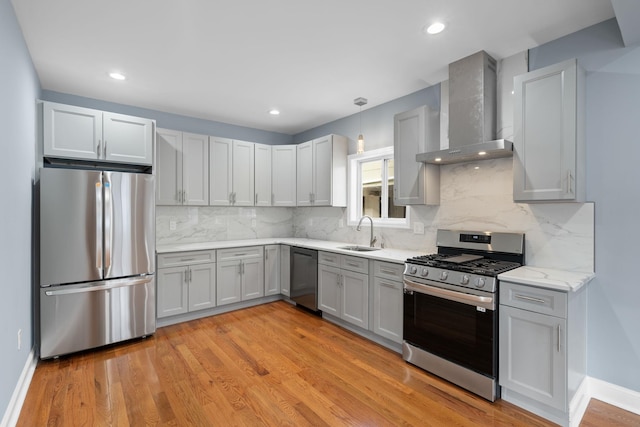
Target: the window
pixel 371 189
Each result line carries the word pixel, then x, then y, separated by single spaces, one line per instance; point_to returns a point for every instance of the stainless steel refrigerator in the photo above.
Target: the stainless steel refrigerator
pixel 97 259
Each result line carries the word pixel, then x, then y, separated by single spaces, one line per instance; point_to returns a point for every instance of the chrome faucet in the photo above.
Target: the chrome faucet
pixel 373 239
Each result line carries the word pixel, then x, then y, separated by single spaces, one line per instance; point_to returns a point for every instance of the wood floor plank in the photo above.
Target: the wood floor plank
pixel 272 364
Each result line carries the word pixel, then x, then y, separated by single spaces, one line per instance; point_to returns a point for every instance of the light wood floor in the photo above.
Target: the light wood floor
pixel 268 365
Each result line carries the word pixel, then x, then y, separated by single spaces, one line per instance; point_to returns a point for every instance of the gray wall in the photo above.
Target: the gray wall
pixel 174 121
pixel 19 88
pixel 613 178
pixel 377 122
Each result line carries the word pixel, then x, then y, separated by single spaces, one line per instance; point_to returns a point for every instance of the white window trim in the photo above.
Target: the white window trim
pixel 354 184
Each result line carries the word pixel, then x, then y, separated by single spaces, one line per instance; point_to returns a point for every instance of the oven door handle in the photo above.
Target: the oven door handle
pixel 477 300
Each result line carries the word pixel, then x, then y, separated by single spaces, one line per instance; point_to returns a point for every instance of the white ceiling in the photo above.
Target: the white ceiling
pixel 231 61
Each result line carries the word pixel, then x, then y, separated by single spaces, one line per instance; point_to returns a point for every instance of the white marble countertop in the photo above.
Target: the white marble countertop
pixel 568 281
pixel 386 254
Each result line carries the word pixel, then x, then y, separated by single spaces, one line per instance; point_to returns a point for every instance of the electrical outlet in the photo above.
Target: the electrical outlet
pixel 172 225
pixel 19 339
pixel 418 228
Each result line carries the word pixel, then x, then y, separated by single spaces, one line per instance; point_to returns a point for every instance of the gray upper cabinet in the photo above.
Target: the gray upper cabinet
pixel 72 132
pixel 182 174
pixel 322 172
pixel 416 183
pixel 231 173
pixel 549 148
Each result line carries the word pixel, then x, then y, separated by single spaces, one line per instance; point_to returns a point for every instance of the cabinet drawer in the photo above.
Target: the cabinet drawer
pixel 388 270
pixel 175 259
pixel 241 253
pixel 354 263
pixel 539 300
pixel 329 258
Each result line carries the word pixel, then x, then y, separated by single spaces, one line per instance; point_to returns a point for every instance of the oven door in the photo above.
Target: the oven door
pixel 456 326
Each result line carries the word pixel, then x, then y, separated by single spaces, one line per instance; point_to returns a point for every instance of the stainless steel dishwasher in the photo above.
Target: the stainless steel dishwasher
pixel 304 277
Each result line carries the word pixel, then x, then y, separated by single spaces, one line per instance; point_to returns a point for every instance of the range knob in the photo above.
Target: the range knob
pixel 413 269
pixel 444 275
pixel 480 282
pixel 424 272
pixel 464 280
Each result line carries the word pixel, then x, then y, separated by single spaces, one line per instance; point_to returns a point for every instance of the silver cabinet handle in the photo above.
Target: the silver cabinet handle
pixel 385 271
pixel 569 182
pixel 255 199
pixel 388 285
pixel 98 151
pixel 353 264
pixel 531 299
pixel 190 275
pixel 187 259
pixel 104 147
pixel 558 338
pixel 184 196
pixel 242 265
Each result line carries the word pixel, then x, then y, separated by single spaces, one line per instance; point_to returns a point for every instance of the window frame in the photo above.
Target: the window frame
pixel 354 184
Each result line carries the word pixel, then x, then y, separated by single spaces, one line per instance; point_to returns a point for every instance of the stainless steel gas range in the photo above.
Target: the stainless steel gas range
pixel 450 324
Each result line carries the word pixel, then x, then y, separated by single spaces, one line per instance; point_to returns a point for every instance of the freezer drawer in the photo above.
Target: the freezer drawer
pixel 80 317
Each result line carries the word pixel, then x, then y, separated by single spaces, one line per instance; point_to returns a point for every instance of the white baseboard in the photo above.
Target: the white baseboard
pixel 623 398
pixel 20 392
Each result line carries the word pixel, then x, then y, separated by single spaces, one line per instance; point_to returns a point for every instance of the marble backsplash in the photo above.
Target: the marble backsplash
pixel 196 224
pixel 475 196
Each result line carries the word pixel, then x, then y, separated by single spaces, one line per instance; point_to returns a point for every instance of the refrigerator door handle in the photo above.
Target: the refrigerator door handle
pixel 108 224
pixel 99 227
pixel 113 284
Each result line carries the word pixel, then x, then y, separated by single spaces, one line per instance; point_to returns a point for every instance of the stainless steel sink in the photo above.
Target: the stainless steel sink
pixel 359 248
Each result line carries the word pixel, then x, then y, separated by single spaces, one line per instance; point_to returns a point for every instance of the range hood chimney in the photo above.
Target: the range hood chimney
pixel 472 114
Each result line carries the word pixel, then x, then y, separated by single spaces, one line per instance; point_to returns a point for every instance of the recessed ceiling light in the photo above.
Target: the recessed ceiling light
pixel 274 112
pixel 438 159
pixel 482 153
pixel 117 76
pixel 434 28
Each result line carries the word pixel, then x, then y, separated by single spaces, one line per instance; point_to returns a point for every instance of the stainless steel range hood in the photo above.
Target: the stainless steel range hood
pixel 472 114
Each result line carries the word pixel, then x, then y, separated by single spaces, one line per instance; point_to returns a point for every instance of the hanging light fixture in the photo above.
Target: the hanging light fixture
pixel 360 102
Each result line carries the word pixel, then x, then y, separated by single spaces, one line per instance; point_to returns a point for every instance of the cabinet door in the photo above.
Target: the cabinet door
pixel 271 270
pixel 172 291
pixel 283 175
pixel 322 171
pixel 195 155
pixel 387 308
pixel 168 167
pixel 304 173
pixel 229 282
pixel 533 355
pixel 285 269
pixel 243 173
pixel 220 153
pixel 415 183
pixel 262 175
pixel 127 139
pixel 202 286
pixel 71 132
pixel 545 134
pixel 355 298
pixel 329 290
pixel 252 278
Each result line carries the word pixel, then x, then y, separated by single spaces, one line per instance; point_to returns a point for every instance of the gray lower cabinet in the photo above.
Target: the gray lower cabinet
pixel 186 282
pixel 549 144
pixel 285 270
pixel 240 274
pixel 271 270
pixel 388 300
pixel 343 287
pixel 541 340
